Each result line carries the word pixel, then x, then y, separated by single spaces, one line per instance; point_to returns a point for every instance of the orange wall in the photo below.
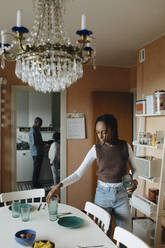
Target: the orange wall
pixel 78 100
pixel 9 74
pixel 151 74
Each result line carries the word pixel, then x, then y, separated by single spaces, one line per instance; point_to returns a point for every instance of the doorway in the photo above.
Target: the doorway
pixel 22 123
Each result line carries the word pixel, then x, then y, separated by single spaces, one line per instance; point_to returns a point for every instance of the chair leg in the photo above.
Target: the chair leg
pixel 118 244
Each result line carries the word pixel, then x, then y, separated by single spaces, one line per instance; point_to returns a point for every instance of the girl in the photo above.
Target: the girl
pixel 112 155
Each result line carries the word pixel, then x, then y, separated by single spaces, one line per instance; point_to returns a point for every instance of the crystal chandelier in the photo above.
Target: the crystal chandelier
pixel 46 58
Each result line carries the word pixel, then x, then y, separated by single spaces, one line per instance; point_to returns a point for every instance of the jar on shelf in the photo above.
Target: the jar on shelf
pixel 142 138
pixel 153 195
pixel 139 137
pixel 159 101
pixel 149 139
pixel 145 139
pixel 141 106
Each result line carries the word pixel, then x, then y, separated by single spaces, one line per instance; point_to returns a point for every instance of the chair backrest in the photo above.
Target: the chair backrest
pixel 22 195
pixel 128 239
pixel 100 216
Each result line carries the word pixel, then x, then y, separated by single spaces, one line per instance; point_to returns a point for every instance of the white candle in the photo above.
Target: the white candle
pixel 83 21
pixel 2 38
pixel 18 18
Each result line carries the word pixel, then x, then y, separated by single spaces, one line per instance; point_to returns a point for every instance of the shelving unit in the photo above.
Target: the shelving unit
pixel 151 180
pixel 158 146
pixel 157 210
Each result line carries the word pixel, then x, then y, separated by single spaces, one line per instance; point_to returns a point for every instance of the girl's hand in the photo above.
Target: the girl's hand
pixel 54 191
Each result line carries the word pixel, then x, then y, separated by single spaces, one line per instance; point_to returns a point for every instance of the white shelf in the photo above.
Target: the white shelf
pixel 158 146
pixel 144 205
pixel 147 115
pixel 151 180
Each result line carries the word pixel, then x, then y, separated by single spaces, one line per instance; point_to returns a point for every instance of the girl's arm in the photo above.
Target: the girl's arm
pixel 75 176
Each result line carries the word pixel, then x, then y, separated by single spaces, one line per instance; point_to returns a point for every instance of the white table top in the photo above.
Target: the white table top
pixel 88 234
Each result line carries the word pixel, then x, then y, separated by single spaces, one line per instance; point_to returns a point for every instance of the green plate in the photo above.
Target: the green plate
pixel 70 221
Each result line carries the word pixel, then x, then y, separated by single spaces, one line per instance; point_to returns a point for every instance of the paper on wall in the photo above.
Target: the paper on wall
pixel 75 126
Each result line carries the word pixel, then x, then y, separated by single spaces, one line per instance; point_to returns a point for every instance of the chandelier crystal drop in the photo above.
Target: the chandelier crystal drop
pixel 46 58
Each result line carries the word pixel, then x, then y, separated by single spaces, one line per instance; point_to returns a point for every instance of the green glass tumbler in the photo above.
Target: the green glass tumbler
pixel 25 212
pixel 53 208
pixel 16 209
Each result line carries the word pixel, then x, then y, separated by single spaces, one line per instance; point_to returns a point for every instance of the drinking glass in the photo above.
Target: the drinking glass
pixel 25 212
pixel 16 209
pixel 53 208
pixel 127 183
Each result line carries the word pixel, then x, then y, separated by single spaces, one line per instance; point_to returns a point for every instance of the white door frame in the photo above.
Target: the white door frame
pixel 14 88
pixel 63 158
pixel 2 82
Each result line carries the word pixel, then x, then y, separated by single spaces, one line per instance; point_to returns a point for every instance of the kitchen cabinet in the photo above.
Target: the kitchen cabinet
pixel 24 166
pixel 40 105
pixel 30 104
pixel 22 113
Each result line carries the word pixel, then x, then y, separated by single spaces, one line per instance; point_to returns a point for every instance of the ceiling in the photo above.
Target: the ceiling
pixel 119 26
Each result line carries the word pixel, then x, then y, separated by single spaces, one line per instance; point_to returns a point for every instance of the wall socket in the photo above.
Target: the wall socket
pixel 142 55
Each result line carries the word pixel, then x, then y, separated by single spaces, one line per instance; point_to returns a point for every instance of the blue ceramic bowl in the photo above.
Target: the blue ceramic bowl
pixel 25 237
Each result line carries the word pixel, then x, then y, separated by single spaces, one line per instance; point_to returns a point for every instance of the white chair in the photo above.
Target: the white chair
pixel 128 239
pixel 100 216
pixel 22 195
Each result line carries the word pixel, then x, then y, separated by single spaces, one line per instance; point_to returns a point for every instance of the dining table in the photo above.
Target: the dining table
pixel 88 234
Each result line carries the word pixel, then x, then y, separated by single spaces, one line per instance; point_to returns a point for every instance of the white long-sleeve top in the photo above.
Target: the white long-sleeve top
pixel 87 162
pixel 54 152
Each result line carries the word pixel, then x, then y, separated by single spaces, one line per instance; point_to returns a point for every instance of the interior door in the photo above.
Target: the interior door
pixel 120 104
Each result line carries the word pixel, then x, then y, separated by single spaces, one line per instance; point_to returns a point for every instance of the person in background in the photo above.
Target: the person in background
pixel 37 150
pixel 112 155
pixel 54 156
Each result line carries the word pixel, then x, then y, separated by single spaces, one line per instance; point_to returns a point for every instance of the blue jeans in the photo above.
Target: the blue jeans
pixel 115 201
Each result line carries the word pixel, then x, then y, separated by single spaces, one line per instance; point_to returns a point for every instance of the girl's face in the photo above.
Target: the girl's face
pixel 102 132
